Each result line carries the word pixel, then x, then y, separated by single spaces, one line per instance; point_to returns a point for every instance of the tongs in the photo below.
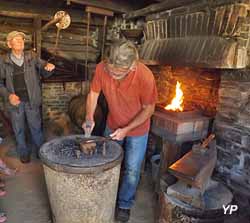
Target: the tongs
pixel 94 140
pixel 88 146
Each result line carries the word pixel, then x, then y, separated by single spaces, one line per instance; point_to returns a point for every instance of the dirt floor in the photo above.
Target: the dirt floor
pixel 27 200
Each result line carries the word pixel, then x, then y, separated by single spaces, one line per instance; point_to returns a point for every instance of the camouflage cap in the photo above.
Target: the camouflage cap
pixel 13 34
pixel 122 54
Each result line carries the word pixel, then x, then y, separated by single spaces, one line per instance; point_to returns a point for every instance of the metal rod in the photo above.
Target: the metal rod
pixel 104 35
pixel 87 47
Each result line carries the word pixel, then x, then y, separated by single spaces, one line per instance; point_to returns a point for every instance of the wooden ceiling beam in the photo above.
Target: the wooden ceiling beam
pixel 116 7
pixel 99 11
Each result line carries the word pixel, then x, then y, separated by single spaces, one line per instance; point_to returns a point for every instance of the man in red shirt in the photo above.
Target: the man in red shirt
pixel 130 90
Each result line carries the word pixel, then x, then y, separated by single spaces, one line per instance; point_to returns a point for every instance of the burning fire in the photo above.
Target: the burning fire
pixel 177 101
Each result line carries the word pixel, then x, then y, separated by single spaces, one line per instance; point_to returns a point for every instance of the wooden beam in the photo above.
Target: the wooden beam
pixel 99 11
pixel 116 7
pixel 18 14
pixel 165 5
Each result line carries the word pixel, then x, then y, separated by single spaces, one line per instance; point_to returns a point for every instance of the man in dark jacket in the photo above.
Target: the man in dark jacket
pixel 20 86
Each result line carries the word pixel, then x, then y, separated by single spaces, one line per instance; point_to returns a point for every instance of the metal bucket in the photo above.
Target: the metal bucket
pixel 82 188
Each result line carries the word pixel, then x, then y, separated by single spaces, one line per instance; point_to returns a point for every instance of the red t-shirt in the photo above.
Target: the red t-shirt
pixel 126 97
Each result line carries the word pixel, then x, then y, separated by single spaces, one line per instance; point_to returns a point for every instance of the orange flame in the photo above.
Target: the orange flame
pixel 177 101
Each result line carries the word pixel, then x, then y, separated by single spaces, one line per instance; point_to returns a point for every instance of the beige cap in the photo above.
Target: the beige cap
pixel 13 34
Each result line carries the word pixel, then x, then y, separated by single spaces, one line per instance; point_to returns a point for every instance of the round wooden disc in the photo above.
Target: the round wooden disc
pixel 64 22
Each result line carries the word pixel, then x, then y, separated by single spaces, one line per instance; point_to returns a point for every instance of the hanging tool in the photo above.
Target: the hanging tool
pixel 62 20
pixel 99 11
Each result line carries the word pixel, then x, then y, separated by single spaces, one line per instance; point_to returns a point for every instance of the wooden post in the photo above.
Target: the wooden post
pixel 38 35
pixel 170 153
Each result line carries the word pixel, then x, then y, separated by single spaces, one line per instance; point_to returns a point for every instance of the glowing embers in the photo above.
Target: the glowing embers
pixel 177 101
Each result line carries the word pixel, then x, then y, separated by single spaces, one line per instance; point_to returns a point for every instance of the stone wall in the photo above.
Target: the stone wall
pixel 233 128
pixel 200 87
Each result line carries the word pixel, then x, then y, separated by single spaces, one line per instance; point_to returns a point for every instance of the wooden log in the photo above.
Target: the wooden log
pixel 65 35
pixel 17 14
pixel 74 48
pixel 10 27
pixel 80 29
pixel 72 56
pixel 68 42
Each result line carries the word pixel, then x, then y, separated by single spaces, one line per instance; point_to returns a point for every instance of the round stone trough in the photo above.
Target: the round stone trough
pixel 82 188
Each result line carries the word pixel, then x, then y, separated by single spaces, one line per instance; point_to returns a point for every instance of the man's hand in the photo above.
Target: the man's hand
pixel 119 134
pixel 88 127
pixel 14 100
pixel 49 67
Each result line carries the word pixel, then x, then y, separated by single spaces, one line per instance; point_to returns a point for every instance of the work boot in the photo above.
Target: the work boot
pixel 122 215
pixel 25 158
pixel 38 154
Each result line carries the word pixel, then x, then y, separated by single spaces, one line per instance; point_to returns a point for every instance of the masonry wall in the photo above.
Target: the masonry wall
pixel 200 87
pixel 56 97
pixel 233 129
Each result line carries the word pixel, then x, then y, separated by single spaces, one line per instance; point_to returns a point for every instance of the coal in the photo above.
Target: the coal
pixel 66 151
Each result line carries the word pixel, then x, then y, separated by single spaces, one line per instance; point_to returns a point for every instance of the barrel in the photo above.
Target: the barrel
pixel 82 188
pixel 77 112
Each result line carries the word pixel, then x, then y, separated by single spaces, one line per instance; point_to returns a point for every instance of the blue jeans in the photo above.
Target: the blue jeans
pixel 33 118
pixel 134 150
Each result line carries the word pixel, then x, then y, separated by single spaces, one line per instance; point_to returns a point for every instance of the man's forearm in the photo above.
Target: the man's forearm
pixel 91 105
pixel 141 117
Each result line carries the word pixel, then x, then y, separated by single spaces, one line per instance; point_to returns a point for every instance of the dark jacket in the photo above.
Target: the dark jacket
pixel 33 69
